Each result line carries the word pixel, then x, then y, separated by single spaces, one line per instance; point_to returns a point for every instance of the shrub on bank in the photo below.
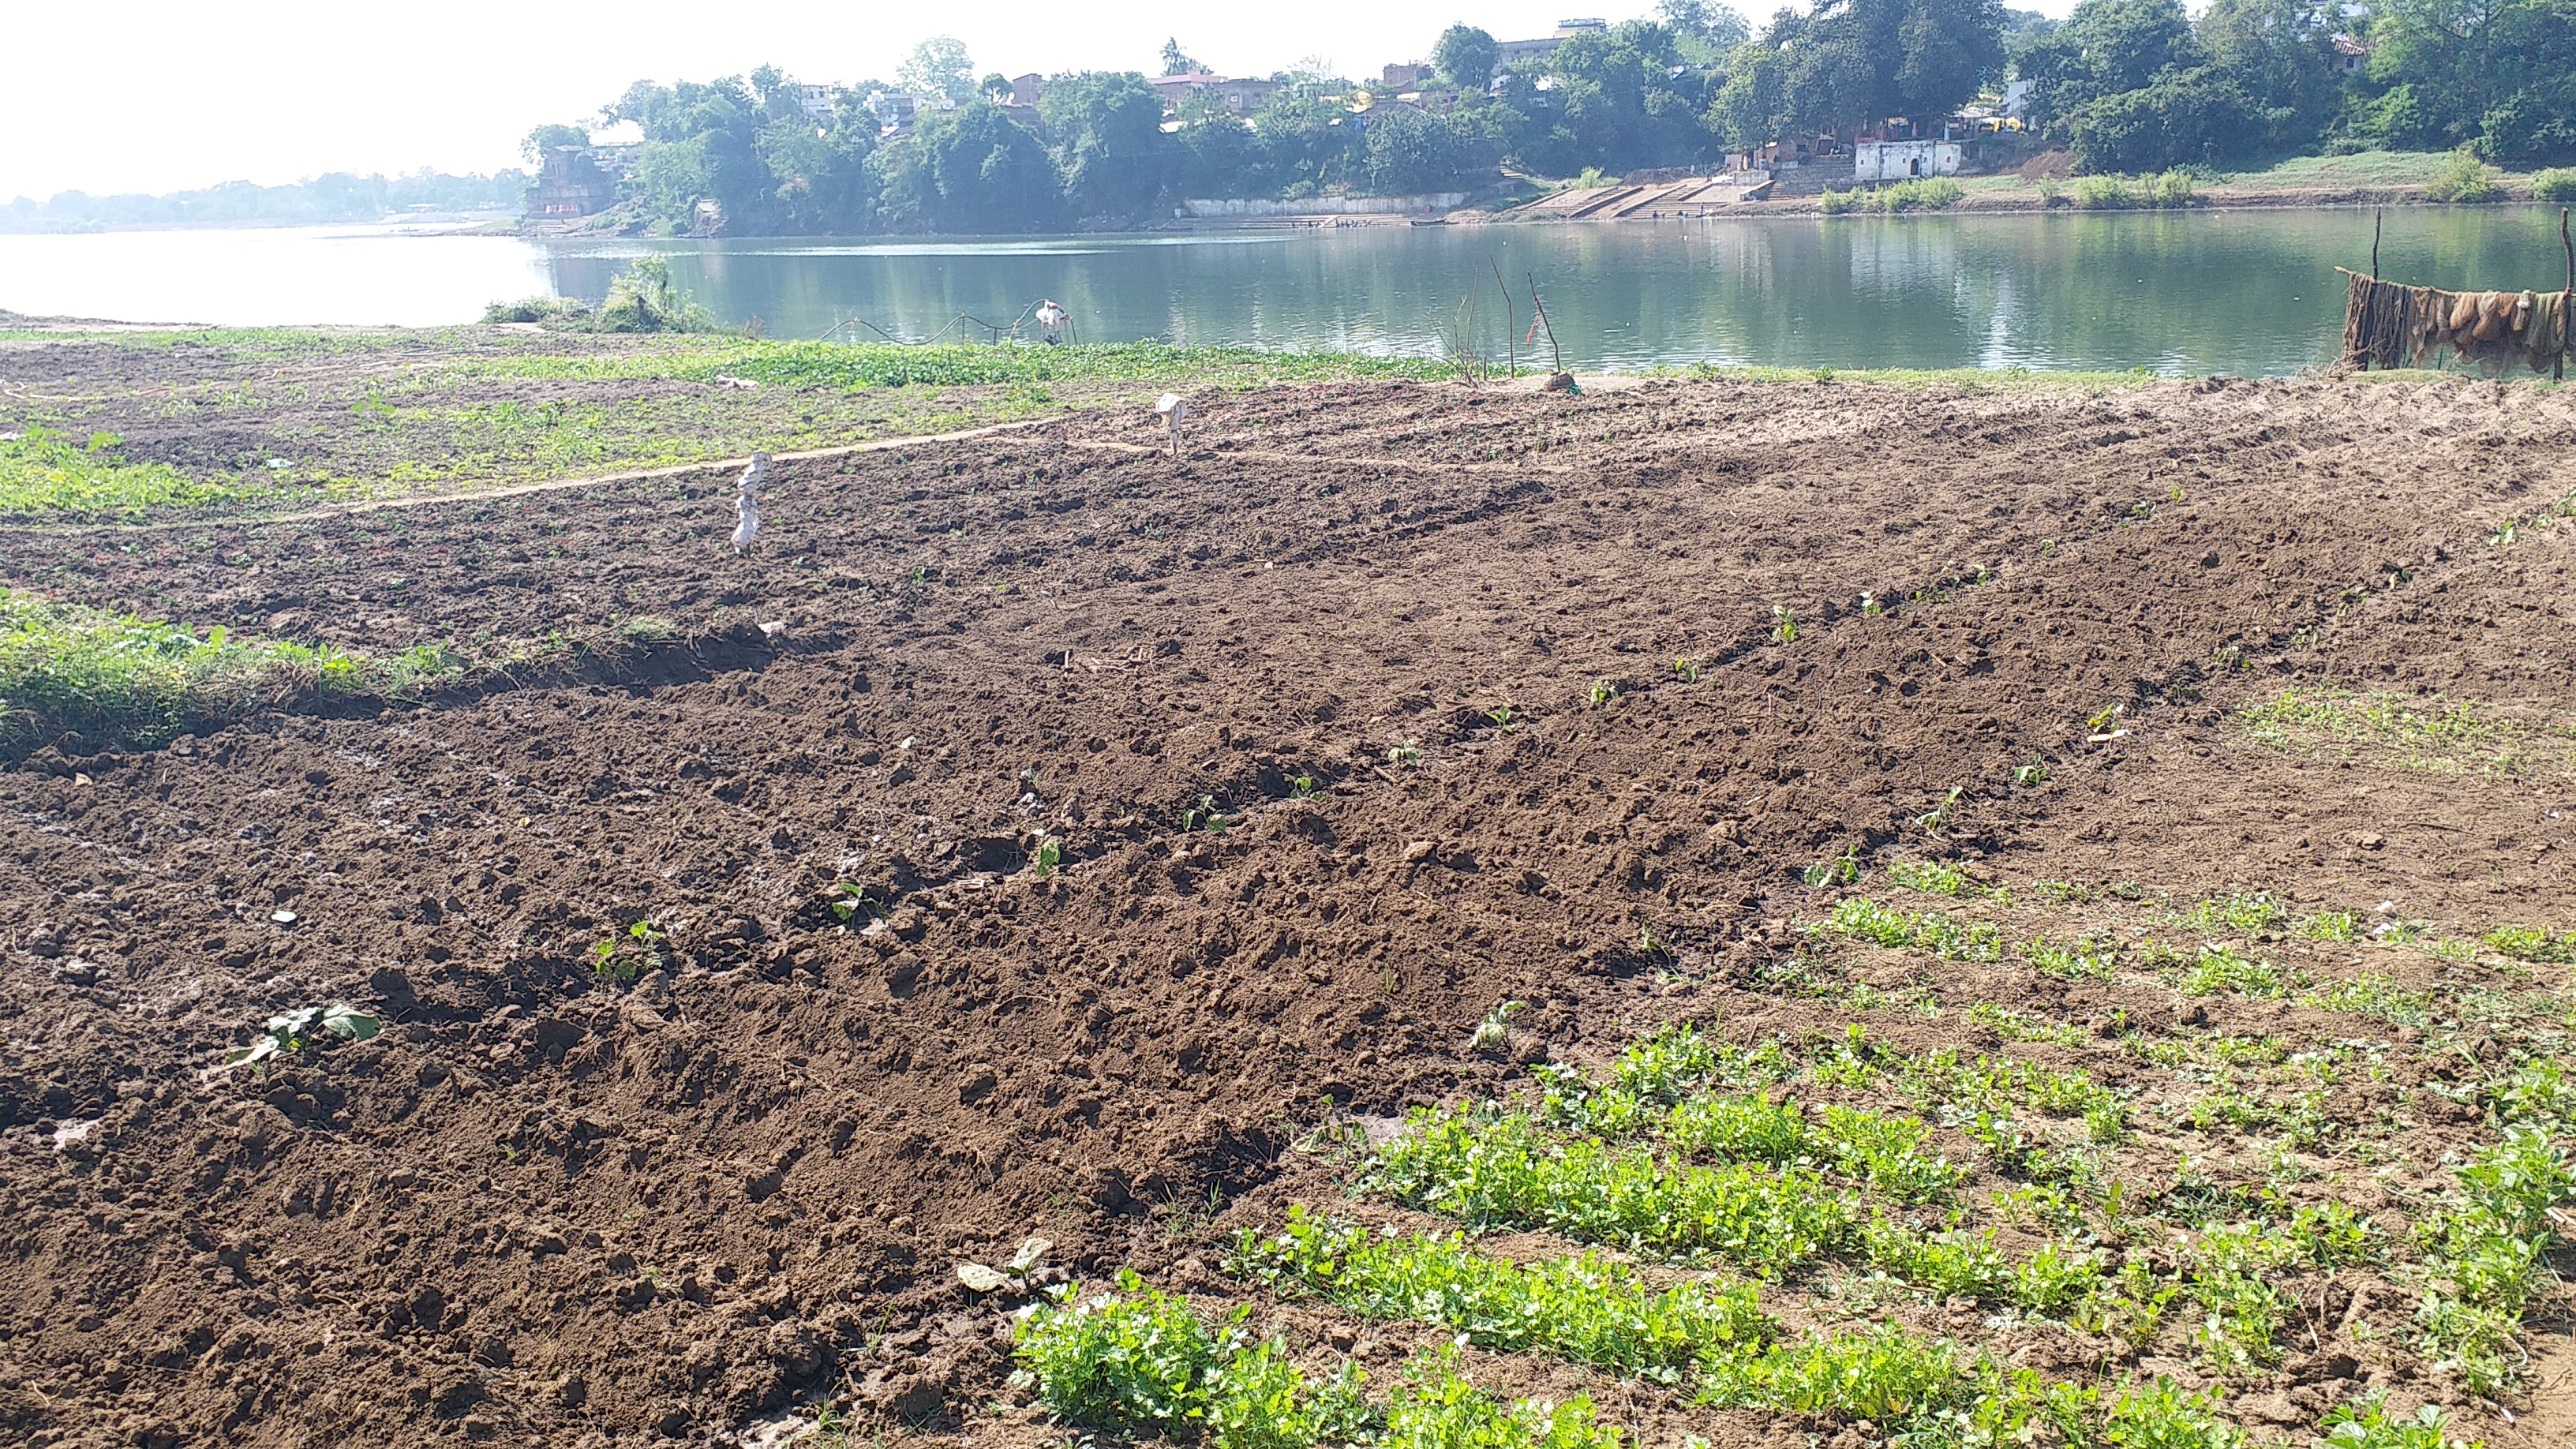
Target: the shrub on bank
pixel 2463 177
pixel 1931 193
pixel 2174 188
pixel 2558 183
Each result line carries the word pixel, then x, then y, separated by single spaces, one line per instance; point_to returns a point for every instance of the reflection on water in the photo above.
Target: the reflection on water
pixel 2246 292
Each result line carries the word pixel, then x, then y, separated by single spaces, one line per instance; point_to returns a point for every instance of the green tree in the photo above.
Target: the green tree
pixel 2500 74
pixel 824 182
pixel 1411 152
pixel 2280 54
pixel 2181 117
pixel 1109 144
pixel 939 67
pixel 1466 57
pixel 968 171
pixel 2106 48
pixel 1849 63
pixel 1703 31
pixel 1617 102
pixel 534 146
pixel 1751 107
pixel 1177 63
pixel 701 142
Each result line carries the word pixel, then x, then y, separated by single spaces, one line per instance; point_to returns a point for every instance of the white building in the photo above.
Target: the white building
pixel 1904 160
pixel 817 102
pixel 1508 53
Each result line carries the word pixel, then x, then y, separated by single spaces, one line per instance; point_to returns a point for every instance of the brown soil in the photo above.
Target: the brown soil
pixel 544 1208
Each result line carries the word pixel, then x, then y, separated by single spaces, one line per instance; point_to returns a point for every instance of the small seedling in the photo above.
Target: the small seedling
pixel 1843 869
pixel 1937 819
pixel 1013 1275
pixel 1407 754
pixel 1502 718
pixel 1784 625
pixel 1205 813
pixel 1493 1030
pixel 605 962
pixel 304 1029
pixel 1043 862
pixel 845 902
pixel 1302 788
pixel 1602 692
pixel 1688 667
pixel 1870 605
pixel 2034 773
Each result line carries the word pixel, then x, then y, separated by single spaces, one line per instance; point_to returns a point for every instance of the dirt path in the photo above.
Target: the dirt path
pixel 1495 698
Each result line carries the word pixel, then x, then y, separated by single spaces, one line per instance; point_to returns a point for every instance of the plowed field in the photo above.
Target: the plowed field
pixel 2152 809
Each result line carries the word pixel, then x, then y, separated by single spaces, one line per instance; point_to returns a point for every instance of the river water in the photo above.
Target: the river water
pixel 2240 292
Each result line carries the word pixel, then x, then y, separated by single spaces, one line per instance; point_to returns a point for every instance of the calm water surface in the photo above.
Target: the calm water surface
pixel 2247 292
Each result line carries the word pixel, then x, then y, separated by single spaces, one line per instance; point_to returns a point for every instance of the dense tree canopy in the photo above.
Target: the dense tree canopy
pixel 2127 85
pixel 2500 74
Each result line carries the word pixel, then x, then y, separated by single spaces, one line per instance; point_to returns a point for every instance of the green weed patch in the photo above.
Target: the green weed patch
pixel 114 679
pixel 45 472
pixel 2430 733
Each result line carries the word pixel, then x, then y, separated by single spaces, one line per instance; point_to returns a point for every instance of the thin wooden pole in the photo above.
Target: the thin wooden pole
pixel 2566 302
pixel 2375 218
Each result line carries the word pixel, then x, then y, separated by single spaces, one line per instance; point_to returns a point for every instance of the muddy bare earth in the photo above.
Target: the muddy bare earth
pixel 1358 719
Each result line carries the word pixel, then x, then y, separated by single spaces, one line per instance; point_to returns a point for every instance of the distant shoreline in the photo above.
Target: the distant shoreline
pixel 2221 197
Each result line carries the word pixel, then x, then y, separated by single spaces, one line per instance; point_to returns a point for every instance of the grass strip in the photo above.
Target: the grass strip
pixel 1586 1308
pixel 119 680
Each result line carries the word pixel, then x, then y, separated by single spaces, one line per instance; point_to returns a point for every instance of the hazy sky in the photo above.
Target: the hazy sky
pixel 170 96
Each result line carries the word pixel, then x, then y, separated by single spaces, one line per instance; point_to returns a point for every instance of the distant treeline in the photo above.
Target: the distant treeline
pixel 337 196
pixel 2125 85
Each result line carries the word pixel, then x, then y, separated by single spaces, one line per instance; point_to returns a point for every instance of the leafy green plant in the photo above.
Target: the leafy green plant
pixel 2329 926
pixel 2365 1423
pixel 2531 943
pixel 1044 860
pixel 2557 183
pixel 2219 969
pixel 1437 1408
pixel 2249 913
pixel 1784 625
pixel 1495 1029
pixel 1688 667
pixel 1883 1374
pixel 1302 788
pixel 1587 1308
pixel 607 960
pixel 1930 877
pixel 1840 870
pixel 1601 692
pixel 1141 1359
pixel 1405 755
pixel 2034 773
pixel 1937 819
pixel 1502 718
pixel 305 1029
pixel 2087 958
pixel 1490 1168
